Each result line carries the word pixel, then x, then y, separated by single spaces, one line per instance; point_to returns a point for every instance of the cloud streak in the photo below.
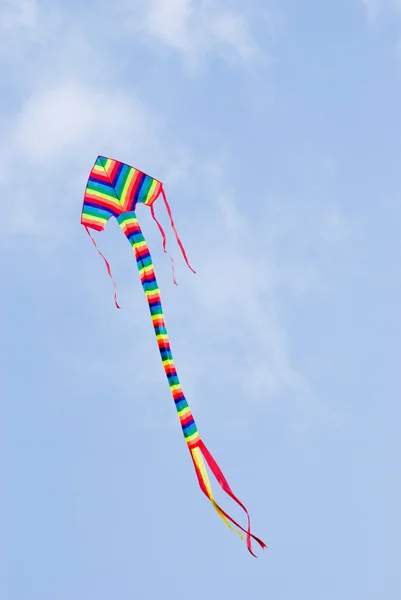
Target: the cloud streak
pixel 18 14
pixel 375 8
pixel 196 30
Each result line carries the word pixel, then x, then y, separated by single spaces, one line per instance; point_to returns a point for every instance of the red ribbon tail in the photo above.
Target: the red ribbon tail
pixel 152 211
pixel 107 266
pixel 175 231
pixel 214 467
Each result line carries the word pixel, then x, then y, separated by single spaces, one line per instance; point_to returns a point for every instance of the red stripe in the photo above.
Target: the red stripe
pixel 88 223
pixel 112 170
pixel 130 228
pixel 148 271
pixel 102 202
pixel 186 419
pixel 155 296
pixel 142 251
pixel 131 189
pixel 159 322
pixel 170 369
pixel 155 194
pixel 99 174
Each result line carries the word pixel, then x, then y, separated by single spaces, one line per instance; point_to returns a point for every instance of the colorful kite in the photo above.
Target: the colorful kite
pixel 113 190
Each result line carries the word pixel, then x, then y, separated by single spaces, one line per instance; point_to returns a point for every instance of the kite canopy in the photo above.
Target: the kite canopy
pixel 114 190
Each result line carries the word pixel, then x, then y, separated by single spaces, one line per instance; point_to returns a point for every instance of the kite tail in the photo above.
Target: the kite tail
pixel 175 231
pixel 196 452
pixel 152 211
pixel 130 226
pixel 106 262
pixel 177 237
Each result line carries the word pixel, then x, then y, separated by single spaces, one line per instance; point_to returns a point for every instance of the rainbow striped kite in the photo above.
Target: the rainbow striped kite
pixel 113 190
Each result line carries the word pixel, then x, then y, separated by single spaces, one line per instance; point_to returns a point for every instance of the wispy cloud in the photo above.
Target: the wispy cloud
pixel 18 14
pixel 58 132
pixel 375 8
pixel 196 29
pixel 70 116
pixel 372 8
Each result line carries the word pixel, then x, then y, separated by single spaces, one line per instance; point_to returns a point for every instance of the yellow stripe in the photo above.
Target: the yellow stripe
pixel 192 438
pixel 147 270
pixel 202 469
pixel 130 220
pixel 183 412
pixel 100 220
pixel 112 199
pixel 127 183
pixel 108 165
pixel 140 244
pixel 151 190
pixel 196 453
pixel 162 336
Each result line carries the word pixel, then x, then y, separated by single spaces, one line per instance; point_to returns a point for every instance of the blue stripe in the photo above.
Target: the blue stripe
pixel 100 186
pixel 189 430
pixel 181 403
pixel 119 179
pixel 106 211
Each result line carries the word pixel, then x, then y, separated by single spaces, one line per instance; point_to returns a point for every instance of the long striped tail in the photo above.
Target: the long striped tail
pixel 199 453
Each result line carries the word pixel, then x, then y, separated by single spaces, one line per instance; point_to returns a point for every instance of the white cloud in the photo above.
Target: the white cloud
pixel 59 121
pixel 168 21
pixel 381 9
pixel 372 8
pixel 55 138
pixel 375 8
pixel 18 13
pixel 196 28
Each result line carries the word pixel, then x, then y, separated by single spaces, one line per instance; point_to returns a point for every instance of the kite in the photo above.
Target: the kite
pixel 113 190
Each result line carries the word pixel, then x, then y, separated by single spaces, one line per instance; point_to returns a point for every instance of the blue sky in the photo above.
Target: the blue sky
pixel 275 127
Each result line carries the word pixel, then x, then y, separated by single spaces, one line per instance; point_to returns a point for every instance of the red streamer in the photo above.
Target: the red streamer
pixel 107 266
